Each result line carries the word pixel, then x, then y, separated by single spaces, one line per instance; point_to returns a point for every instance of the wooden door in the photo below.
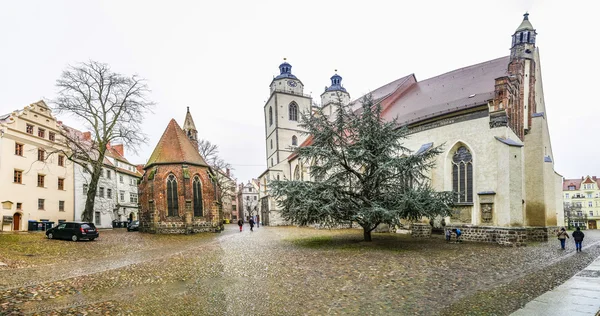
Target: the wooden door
pixel 592 224
pixel 17 221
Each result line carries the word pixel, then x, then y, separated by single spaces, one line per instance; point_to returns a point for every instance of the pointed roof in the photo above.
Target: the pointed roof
pixel 188 124
pixel 525 25
pixel 175 147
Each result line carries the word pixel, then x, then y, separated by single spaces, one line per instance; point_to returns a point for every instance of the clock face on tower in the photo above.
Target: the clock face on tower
pixel 292 83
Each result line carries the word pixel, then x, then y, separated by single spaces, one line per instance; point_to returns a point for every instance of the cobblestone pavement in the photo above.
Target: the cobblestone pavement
pixel 279 270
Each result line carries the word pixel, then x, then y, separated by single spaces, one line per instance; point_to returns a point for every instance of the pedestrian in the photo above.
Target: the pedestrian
pixel 257 221
pixel 578 236
pixel 251 221
pixel 458 233
pixel 240 223
pixel 448 235
pixel 562 236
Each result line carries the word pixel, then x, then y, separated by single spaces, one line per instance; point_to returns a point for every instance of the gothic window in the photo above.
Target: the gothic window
pixel 172 197
pixel 462 175
pixel 526 39
pixel 294 140
pixel 521 37
pixel 197 187
pixel 297 173
pixel 293 111
pixel 270 116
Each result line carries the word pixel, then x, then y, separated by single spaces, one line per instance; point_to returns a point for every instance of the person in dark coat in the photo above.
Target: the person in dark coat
pixel 578 237
pixel 251 221
pixel 562 237
pixel 240 223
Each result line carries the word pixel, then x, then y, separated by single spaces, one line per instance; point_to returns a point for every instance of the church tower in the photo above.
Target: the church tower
pixel 189 128
pixel 334 95
pixel 514 101
pixel 283 113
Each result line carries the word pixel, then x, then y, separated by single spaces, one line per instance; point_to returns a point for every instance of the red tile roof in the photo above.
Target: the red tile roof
pixel 453 91
pixel 577 182
pixel 175 147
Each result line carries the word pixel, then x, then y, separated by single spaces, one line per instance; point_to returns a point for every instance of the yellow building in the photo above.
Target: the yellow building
pixel 34 185
pixel 584 193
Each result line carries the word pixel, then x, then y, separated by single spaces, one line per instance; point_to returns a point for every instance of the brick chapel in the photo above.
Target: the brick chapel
pixel 177 193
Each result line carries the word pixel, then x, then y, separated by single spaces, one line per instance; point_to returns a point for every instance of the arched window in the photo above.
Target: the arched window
pixel 294 140
pixel 462 175
pixel 197 189
pixel 172 197
pixel 270 116
pixel 297 173
pixel 293 111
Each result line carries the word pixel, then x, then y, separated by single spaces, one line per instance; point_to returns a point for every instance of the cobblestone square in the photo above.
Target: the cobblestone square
pixel 277 270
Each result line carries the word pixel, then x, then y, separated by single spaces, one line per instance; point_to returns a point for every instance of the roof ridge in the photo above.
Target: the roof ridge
pixel 466 67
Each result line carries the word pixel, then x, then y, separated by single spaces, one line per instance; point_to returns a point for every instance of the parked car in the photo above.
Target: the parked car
pixel 134 225
pixel 73 231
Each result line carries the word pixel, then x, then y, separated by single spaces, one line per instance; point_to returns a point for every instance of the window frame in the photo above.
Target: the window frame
pixel 462 175
pixel 172 196
pixel 41 180
pixel 61 206
pixel 293 111
pixel 198 201
pixel 41 204
pixel 19 149
pixel 61 184
pixel 18 175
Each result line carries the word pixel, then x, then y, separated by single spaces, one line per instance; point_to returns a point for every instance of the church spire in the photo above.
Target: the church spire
pixel 523 40
pixel 190 128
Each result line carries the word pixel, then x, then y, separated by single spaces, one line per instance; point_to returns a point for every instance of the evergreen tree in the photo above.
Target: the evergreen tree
pixel 360 172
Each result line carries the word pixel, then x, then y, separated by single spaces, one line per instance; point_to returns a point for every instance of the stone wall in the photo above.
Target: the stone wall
pixel 507 236
pixel 420 230
pixel 178 228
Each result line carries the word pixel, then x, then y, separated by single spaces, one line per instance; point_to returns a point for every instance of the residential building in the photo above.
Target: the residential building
pixel 490 118
pixel 248 199
pixel 228 194
pixel 584 194
pixel 36 181
pixel 117 191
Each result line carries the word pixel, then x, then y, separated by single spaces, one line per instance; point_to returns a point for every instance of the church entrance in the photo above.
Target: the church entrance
pixel 592 225
pixel 17 221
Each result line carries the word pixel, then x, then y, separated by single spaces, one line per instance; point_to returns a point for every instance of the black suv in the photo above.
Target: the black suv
pixel 134 225
pixel 73 231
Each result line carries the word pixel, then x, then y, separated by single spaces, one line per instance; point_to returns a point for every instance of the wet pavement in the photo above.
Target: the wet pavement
pixel 277 270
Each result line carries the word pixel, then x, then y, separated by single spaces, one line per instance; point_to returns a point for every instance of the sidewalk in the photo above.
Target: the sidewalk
pixel 580 295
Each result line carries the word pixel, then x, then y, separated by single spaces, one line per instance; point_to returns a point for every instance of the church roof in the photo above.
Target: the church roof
pixel 175 147
pixel 453 91
pixel 188 124
pixel 525 25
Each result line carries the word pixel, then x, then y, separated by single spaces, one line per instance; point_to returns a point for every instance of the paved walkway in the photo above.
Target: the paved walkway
pixel 580 295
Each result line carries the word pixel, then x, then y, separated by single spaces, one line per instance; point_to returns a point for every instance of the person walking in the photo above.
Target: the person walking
pixel 240 223
pixel 251 221
pixel 562 237
pixel 578 237
pixel 448 235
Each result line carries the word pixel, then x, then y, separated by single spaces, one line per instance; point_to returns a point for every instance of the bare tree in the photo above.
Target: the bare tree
pixel 574 214
pixel 223 178
pixel 110 105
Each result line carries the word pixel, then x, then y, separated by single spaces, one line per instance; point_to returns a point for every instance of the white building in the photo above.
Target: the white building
pixel 117 190
pixel 248 199
pixel 35 184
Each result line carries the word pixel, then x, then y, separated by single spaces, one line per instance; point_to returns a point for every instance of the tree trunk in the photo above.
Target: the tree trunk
pixel 367 234
pixel 88 212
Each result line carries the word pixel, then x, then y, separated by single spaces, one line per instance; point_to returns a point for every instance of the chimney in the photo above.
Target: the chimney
pixel 140 168
pixel 594 177
pixel 229 173
pixel 87 135
pixel 119 148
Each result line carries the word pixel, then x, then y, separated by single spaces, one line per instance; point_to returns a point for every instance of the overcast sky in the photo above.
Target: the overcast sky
pixel 219 57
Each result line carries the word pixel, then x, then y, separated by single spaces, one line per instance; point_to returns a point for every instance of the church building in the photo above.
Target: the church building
pixel 177 193
pixel 491 120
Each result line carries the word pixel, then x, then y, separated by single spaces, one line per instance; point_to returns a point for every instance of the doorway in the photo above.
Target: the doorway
pixel 17 221
pixel 592 225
